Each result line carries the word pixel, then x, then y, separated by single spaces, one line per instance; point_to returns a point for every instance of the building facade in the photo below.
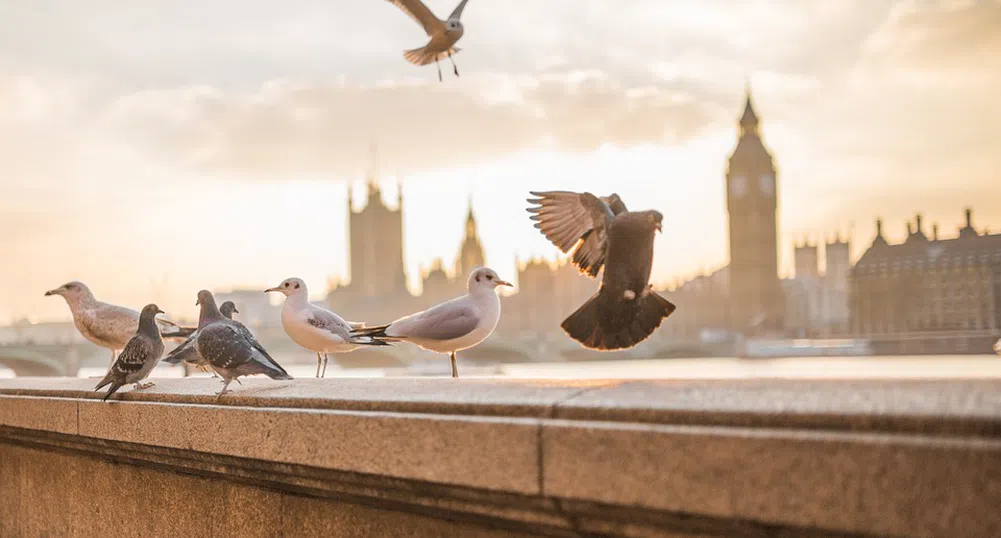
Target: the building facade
pixel 756 299
pixel 929 295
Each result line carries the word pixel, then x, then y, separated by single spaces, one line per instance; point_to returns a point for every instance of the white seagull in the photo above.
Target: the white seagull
pixel 107 325
pixel 997 346
pixel 443 33
pixel 453 325
pixel 317 329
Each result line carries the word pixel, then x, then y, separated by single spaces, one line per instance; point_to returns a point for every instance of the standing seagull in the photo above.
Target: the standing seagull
pixel 443 34
pixel 317 329
pixel 139 355
pixel 187 353
pixel 602 232
pixel 453 325
pixel 229 347
pixel 997 346
pixel 107 325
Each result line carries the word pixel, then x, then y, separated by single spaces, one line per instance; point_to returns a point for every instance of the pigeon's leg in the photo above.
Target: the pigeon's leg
pixel 319 359
pixel 454 67
pixel 324 374
pixel 225 384
pixel 455 371
pixel 439 69
pixel 143 386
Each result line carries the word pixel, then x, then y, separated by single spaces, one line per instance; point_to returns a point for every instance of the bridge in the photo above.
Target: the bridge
pixel 44 360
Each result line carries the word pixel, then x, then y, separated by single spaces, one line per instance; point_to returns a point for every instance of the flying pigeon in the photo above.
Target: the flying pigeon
pixel 602 233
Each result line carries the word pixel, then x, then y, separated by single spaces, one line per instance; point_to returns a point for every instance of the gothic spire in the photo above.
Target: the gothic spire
pixel 749 119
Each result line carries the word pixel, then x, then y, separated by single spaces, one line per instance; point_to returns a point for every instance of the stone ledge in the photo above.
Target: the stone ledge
pixel 617 458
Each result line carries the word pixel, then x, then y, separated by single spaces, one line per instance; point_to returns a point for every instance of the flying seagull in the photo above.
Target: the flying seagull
pixel 187 353
pixel 229 347
pixel 601 232
pixel 107 325
pixel 443 34
pixel 317 329
pixel 138 357
pixel 453 325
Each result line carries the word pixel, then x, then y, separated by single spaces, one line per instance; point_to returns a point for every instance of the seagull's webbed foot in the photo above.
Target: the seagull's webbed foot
pixel 143 386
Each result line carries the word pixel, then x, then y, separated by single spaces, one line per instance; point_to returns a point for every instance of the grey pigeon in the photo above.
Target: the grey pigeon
pixel 187 353
pixel 601 232
pixel 229 347
pixel 138 357
pixel 107 325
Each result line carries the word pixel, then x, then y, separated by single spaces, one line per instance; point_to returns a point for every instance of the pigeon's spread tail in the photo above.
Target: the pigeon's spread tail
pixel 423 56
pixel 608 323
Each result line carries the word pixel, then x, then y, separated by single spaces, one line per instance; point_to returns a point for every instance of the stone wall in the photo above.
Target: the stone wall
pixel 475 457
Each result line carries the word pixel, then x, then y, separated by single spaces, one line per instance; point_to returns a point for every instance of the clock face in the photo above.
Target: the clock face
pixel 767 184
pixel 738 186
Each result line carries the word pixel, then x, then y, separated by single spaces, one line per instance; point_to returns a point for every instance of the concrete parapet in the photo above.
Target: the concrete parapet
pixel 496 457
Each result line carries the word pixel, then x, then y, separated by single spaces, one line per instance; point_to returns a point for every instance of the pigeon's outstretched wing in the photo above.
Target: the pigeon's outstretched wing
pixel 578 222
pixel 420 13
pixel 457 12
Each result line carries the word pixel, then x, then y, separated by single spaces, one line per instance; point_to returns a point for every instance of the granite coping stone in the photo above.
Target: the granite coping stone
pixel 944 406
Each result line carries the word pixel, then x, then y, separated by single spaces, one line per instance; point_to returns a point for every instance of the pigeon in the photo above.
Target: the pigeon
pixel 139 355
pixel 602 233
pixel 317 329
pixel 229 347
pixel 187 353
pixel 453 325
pixel 443 34
pixel 109 326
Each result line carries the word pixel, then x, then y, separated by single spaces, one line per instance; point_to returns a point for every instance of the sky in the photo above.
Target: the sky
pixel 155 148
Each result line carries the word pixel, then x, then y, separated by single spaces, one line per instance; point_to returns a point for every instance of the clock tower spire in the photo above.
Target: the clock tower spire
pixel 756 300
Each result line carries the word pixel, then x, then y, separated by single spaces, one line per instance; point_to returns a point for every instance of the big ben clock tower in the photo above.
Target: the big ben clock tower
pixel 756 300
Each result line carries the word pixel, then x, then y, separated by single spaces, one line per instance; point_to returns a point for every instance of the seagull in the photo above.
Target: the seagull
pixel 601 232
pixel 229 347
pixel 107 325
pixel 453 325
pixel 187 353
pixel 443 34
pixel 139 355
pixel 317 329
pixel 997 346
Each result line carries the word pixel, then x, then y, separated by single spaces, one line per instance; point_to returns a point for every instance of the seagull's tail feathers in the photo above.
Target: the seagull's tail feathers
pixel 377 335
pixel 423 56
pixel 369 341
pixel 176 331
pixel 608 323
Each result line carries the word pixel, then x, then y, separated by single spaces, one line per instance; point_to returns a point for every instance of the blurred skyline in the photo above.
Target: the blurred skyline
pixel 155 149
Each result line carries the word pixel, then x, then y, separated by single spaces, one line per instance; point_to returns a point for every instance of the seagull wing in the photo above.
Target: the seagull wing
pixel 457 12
pixel 576 222
pixel 449 320
pixel 330 322
pixel 110 324
pixel 420 13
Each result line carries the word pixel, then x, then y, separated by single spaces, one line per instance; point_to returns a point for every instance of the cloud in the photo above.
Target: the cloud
pixel 286 129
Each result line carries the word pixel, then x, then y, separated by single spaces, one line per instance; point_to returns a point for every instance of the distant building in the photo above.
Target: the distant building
pixel 755 296
pixel 548 292
pixel 703 308
pixel 817 303
pixel 929 295
pixel 254 307
pixel 437 285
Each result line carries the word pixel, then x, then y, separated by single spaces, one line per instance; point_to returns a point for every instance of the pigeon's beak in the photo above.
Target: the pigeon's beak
pixel 235 311
pixel 505 283
pixel 659 229
pixel 269 290
pixel 198 302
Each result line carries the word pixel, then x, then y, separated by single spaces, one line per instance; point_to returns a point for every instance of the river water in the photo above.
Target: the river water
pixel 899 367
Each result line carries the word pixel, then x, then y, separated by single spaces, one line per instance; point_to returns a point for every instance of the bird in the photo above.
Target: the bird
pixel 443 33
pixel 139 355
pixel 997 346
pixel 452 326
pixel 317 329
pixel 107 325
pixel 187 353
pixel 603 233
pixel 229 347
